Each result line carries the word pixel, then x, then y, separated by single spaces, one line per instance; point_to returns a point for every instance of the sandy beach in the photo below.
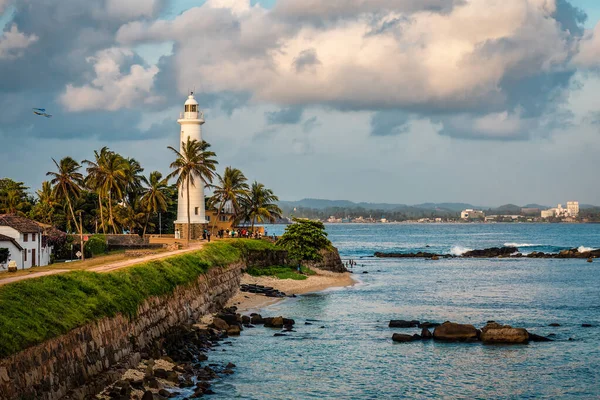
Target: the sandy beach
pixel 315 283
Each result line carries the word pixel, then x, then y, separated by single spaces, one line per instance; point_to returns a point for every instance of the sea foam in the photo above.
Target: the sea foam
pixel 519 245
pixel 583 249
pixel 459 250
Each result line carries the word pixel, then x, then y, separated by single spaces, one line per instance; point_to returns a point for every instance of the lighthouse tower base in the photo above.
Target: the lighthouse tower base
pixel 196 231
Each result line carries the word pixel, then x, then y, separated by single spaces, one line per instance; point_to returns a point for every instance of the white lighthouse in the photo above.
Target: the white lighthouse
pixel 191 121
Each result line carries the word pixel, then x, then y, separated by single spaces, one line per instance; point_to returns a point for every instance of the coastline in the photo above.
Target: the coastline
pixel 322 280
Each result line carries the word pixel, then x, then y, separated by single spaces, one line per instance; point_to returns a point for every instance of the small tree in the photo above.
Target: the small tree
pixel 304 239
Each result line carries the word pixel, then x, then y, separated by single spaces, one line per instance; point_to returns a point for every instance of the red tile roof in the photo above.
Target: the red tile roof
pixel 4 238
pixel 21 224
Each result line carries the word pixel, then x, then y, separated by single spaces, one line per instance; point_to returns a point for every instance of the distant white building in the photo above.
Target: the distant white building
pixel 472 214
pixel 572 211
pixel 573 208
pixel 24 240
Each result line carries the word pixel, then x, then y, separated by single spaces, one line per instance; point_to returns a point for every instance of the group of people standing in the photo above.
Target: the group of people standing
pixel 233 233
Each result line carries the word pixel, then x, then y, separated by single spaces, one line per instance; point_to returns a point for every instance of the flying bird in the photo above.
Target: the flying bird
pixel 41 112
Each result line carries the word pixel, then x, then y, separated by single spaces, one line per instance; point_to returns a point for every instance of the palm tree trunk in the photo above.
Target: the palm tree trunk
pixel 146 224
pixel 188 211
pixel 112 221
pixel 101 213
pixel 72 213
pixel 218 214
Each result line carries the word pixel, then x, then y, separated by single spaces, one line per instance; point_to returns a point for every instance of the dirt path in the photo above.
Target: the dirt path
pixel 134 261
pixel 106 268
pixel 36 275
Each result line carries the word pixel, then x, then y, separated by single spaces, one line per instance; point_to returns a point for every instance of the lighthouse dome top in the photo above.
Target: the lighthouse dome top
pixel 191 100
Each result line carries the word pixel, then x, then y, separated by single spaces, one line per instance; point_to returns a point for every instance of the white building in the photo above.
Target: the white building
pixel 191 121
pixel 572 211
pixel 472 214
pixel 573 208
pixel 25 242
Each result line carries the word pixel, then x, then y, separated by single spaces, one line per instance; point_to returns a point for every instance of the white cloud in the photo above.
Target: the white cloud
pixel 424 59
pixel 13 43
pixel 589 49
pixel 111 89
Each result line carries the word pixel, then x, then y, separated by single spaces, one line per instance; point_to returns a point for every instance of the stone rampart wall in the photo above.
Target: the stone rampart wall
pixel 67 364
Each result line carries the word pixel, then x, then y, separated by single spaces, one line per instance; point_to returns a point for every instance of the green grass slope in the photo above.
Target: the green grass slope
pixel 35 310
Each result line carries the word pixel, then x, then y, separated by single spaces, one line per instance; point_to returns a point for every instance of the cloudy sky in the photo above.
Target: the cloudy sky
pixel 404 101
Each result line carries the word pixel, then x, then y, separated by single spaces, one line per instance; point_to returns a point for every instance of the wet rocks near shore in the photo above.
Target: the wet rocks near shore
pixel 260 289
pixel 497 252
pixel 454 332
pixel 177 362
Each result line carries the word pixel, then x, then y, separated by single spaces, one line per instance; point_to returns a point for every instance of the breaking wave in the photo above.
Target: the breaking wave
pixel 459 250
pixel 519 245
pixel 583 249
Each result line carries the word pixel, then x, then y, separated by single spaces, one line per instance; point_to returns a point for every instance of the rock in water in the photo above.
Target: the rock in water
pixel 491 252
pixel 496 333
pixel 452 332
pixel 234 330
pixel 538 338
pixel 220 324
pixel 402 338
pixel 426 335
pixel 400 323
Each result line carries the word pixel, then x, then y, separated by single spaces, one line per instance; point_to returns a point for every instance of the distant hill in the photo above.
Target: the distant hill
pixel 448 206
pixel 541 207
pixel 322 205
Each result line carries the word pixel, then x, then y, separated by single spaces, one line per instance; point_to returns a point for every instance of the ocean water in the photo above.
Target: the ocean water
pixel 353 356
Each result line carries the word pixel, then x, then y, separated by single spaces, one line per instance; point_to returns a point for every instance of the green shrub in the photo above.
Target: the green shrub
pixel 35 310
pixel 304 239
pixel 282 272
pixel 96 245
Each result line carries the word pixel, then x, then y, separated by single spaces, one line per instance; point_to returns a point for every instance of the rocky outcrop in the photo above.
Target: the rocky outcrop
pixel 452 332
pixel 494 252
pixel 496 333
pixel 491 252
pixel 400 323
pixel 330 261
pixel 402 338
pixel 50 370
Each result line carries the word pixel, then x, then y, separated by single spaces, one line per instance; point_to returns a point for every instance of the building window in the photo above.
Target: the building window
pixel 25 252
pixel 33 237
pixel 224 218
pixel 26 237
pixel 194 108
pixel 196 210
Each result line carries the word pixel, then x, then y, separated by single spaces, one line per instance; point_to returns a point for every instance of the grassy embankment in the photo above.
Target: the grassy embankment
pixel 35 310
pixel 282 272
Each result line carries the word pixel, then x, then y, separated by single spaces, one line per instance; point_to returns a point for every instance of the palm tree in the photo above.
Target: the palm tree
pixel 232 188
pixel 194 161
pixel 133 178
pixel 67 183
pixel 154 198
pixel 114 182
pixel 96 176
pixel 260 205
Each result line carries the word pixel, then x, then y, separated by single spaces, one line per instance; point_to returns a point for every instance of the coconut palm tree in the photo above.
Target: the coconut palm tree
pixel 260 205
pixel 231 188
pixel 96 171
pixel 194 161
pixel 114 182
pixel 67 183
pixel 154 197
